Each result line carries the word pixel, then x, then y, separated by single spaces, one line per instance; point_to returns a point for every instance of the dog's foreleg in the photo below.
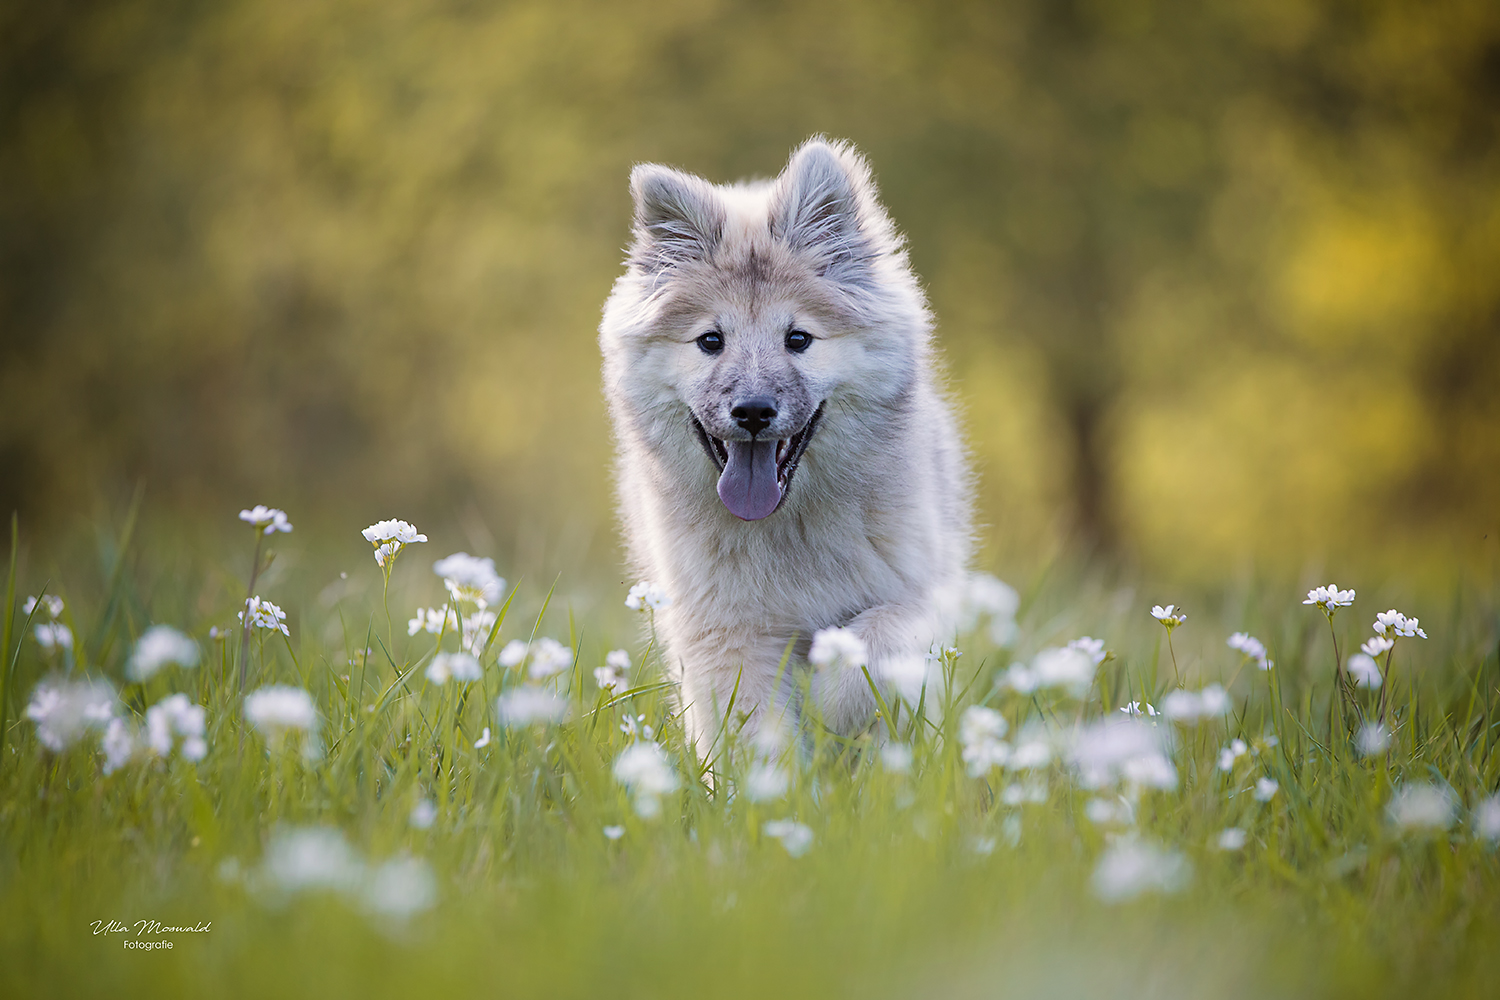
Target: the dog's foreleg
pixel 897 637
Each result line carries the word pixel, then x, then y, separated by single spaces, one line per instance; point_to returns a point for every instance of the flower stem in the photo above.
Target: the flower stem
pixel 1176 674
pixel 260 538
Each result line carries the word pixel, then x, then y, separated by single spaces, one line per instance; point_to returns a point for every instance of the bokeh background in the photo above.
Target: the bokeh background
pixel 1216 281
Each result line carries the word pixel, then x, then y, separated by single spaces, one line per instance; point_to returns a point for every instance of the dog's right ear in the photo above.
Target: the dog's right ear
pixel 678 218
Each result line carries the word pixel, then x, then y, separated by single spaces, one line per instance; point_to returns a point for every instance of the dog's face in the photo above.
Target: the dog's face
pixel 751 309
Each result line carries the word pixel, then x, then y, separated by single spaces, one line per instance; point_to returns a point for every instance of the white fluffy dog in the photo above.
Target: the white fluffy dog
pixel 787 460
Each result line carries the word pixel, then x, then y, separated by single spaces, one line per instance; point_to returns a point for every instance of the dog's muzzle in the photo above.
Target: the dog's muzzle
pixel 755 475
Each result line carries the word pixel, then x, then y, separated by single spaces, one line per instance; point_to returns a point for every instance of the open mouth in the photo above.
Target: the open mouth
pixel 754 475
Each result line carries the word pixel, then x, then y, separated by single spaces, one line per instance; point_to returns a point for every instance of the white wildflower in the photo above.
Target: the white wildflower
pixel 1330 598
pixel 1131 867
pixel 635 727
pixel 614 832
pixel 766 781
pixel 1487 819
pixel 1364 670
pixel 647 596
pixel 1188 707
pixel 118 744
pixel 1266 789
pixel 896 757
pixel 484 739
pixel 1252 648
pixel 158 646
pixel 1422 806
pixel 838 648
pixel 1109 812
pixel 470 579
pixel 53 635
pixel 423 814
pixel 176 717
pixel 433 620
pixel 311 858
pixel 526 705
pixel 1170 616
pixel 1110 751
pixel 979 731
pixel 1070 669
pixel 514 653
pixel 796 837
pixel 400 887
pixel 961 606
pixel 65 710
pixel 51 605
pixel 264 614
pixel 1393 623
pixel 1375 645
pixel 1015 794
pixel 549 658
pixel 476 631
pixel 1030 753
pixel 1090 647
pixel 389 538
pixel 277 709
pixel 1373 738
pixel 615 674
pixel 1233 752
pixel 645 771
pixel 268 519
pixel 461 667
pixel 1231 839
pixel 1136 708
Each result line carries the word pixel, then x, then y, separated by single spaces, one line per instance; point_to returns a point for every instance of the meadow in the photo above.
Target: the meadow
pixel 407 776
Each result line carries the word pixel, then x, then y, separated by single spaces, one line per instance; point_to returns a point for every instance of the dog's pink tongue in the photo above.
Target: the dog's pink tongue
pixel 748 484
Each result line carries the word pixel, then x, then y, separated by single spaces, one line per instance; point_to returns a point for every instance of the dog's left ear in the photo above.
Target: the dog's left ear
pixel 825 204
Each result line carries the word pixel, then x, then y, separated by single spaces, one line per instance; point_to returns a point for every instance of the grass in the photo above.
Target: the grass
pixel 919 884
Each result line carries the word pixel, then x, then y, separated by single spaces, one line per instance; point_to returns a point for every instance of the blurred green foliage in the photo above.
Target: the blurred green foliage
pixel 1216 281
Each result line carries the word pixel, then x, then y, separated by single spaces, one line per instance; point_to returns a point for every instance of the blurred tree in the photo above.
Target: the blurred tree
pixel 1214 279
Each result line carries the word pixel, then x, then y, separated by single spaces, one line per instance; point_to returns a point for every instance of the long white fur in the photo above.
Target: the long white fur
pixel 877 520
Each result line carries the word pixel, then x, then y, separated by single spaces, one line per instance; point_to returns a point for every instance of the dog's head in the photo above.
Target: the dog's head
pixel 752 316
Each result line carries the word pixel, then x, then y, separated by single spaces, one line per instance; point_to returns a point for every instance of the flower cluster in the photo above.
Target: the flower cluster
pixel 157 647
pixel 838 647
pixel 469 579
pixel 51 605
pixel 614 675
pixel 1252 648
pixel 321 860
pixel 1189 707
pixel 796 837
pixel 647 596
pixel 264 614
pixel 53 636
pixel 548 656
pixel 389 537
pixel 1111 752
pixel 266 519
pixel 65 710
pixel 1070 668
pixel 1391 624
pixel 645 771
pixel 1330 598
pixel 461 667
pixel 526 705
pixel 433 620
pixel 980 732
pixel 173 718
pixel 963 605
pixel 277 710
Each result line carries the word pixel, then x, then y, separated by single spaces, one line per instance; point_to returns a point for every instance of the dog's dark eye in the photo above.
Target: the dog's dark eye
pixel 798 341
pixel 711 342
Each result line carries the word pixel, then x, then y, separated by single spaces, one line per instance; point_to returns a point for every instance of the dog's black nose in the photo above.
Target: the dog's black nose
pixel 754 414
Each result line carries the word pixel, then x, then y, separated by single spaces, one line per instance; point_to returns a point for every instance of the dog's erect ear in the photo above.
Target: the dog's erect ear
pixel 824 204
pixel 678 217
